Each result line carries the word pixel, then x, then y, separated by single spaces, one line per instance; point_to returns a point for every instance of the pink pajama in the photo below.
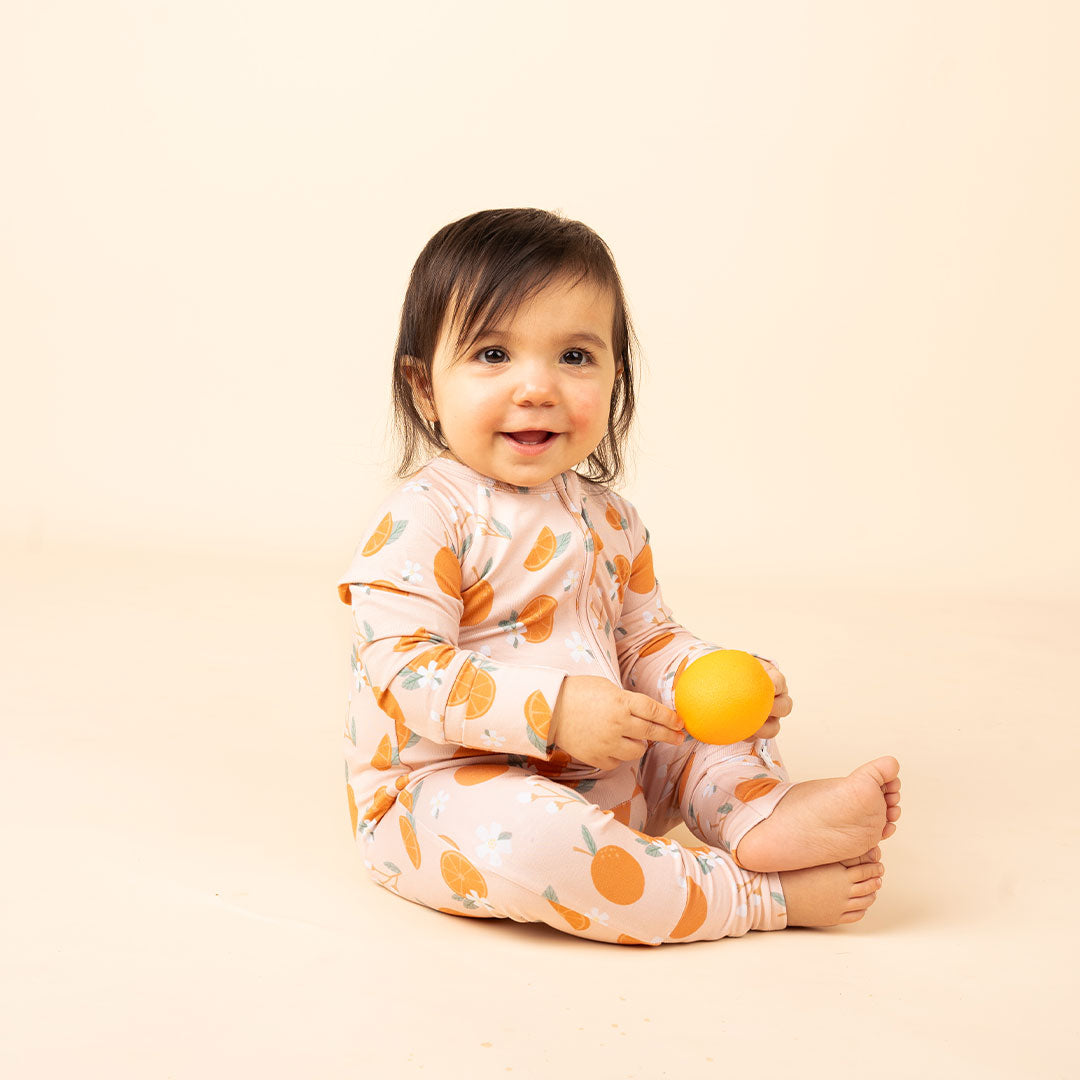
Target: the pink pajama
pixel 502 841
pixel 472 602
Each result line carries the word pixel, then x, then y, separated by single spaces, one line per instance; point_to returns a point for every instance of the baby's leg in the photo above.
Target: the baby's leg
pixel 741 798
pixel 493 840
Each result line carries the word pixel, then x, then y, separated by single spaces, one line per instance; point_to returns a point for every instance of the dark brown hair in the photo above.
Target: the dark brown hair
pixel 488 263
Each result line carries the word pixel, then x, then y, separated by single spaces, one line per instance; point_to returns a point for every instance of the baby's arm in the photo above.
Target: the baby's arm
pixel 651 645
pixel 404 587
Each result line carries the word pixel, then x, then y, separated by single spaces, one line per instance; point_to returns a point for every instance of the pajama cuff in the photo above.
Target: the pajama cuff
pixel 505 708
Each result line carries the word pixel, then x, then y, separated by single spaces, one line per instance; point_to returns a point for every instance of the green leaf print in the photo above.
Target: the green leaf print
pixel 487 568
pixel 651 847
pixel 505 835
pixel 706 866
pixel 536 741
pixel 501 528
pixel 585 515
pixel 590 843
pixel 368 632
pixel 778 898
pixel 725 809
pixel 398 529
pixel 465 545
pixel 562 541
pixel 549 894
pixel 392 868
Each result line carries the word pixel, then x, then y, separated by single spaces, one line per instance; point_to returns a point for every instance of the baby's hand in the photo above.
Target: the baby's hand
pixel 781 703
pixel 602 724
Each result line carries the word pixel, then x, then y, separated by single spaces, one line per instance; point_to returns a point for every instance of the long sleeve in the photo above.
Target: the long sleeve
pixel 404 588
pixel 652 647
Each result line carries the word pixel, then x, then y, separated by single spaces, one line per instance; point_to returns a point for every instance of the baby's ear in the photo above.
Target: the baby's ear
pixel 421 387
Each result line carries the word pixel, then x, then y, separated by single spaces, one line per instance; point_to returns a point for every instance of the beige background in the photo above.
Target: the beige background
pixel 848 234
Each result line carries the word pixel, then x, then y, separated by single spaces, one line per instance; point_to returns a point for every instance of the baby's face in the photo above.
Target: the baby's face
pixel 539 371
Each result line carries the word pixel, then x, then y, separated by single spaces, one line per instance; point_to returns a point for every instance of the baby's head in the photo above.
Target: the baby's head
pixel 515 321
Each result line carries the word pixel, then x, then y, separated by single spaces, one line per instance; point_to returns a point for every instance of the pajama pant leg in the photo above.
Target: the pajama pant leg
pixel 500 841
pixel 720 792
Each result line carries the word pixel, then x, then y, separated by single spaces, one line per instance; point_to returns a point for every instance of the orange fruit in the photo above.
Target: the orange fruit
pixel 478 599
pixel 379 805
pixel 354 811
pixel 724 696
pixel 622 573
pixel 412 845
pixel 542 550
pixel 617 875
pixel 538 717
pixel 754 789
pixel 419 636
pixel 474 686
pixel 626 939
pixel 383 758
pixel 574 918
pixel 642 578
pixel 656 644
pixel 613 517
pixel 468 775
pixel 379 537
pixel 448 572
pixel 538 616
pixel 481 696
pixel 554 765
pixel 460 874
pixel 697 907
pixel 388 703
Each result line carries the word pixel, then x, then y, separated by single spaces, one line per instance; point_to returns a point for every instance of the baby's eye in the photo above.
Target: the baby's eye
pixel 484 356
pixel 586 356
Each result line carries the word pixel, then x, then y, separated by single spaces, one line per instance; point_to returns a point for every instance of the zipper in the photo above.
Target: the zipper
pixel 601 653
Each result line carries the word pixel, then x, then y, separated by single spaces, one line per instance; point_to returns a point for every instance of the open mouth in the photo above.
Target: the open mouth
pixel 529 441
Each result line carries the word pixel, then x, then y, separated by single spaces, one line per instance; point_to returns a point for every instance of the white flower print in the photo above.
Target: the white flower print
pixel 429 675
pixel 570 580
pixel 545 495
pixel 494 843
pixel 596 915
pixel 438 803
pixel 515 633
pixel 492 739
pixel 417 485
pixel 485 649
pixel 552 808
pixel 412 572
pixel 578 649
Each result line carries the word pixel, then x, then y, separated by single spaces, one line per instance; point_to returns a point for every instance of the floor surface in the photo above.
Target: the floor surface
pixel 183 897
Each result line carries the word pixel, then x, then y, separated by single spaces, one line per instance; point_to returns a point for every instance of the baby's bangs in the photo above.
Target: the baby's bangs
pixel 493 293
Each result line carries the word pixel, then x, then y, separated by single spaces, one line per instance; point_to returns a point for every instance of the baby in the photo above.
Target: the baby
pixel 511 746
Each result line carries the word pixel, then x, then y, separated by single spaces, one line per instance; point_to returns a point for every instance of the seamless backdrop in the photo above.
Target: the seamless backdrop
pixel 850 240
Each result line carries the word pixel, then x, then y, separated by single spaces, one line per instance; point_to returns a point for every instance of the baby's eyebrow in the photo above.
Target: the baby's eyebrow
pixel 574 335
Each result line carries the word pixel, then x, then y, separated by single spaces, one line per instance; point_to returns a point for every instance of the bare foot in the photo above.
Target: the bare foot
pixel 825 821
pixel 837 893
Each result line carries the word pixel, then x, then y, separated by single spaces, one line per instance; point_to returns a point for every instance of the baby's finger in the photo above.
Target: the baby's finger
pixel 781 706
pixel 647 708
pixel 646 729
